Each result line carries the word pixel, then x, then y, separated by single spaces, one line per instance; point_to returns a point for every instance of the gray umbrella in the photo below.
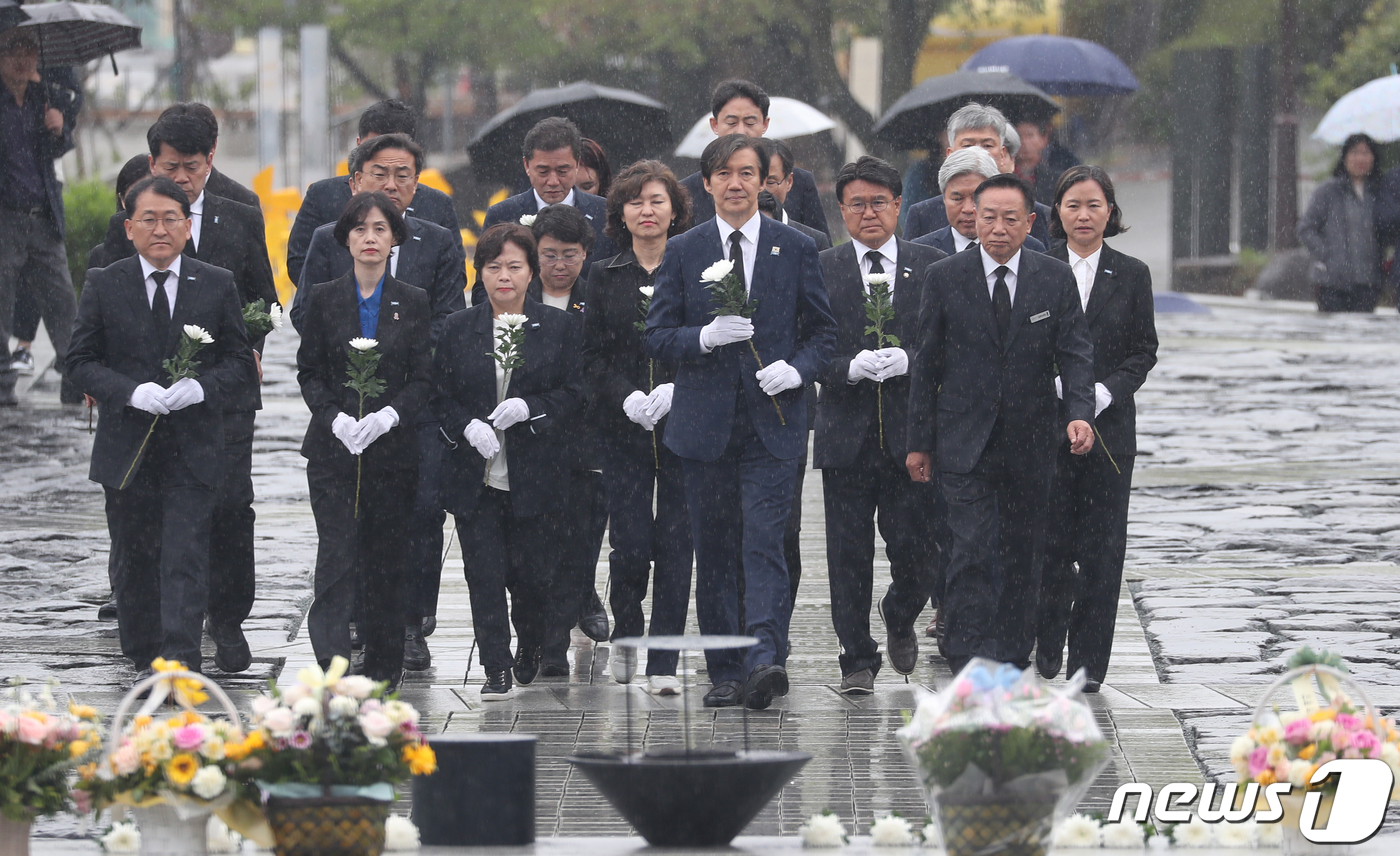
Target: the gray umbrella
pixel 915 119
pixel 76 33
pixel 11 14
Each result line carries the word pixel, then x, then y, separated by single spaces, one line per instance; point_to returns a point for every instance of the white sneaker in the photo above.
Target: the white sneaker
pixel 623 664
pixel 663 685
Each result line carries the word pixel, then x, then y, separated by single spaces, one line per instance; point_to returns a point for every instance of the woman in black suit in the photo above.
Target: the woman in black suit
pixel 632 394
pixel 1088 523
pixel 362 467
pixel 508 452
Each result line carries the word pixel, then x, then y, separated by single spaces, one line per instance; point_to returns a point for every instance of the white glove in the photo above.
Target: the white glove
pixel 864 365
pixel 344 430
pixel 509 412
pixel 1059 388
pixel 374 426
pixel 1102 398
pixel 184 393
pixel 778 377
pixel 725 330
pixel 149 397
pixel 634 405
pixel 659 402
pixel 893 363
pixel 482 438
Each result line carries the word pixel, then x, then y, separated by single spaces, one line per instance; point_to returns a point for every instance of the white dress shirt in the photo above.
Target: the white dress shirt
pixel 889 259
pixel 556 302
pixel 959 242
pixel 394 261
pixel 172 282
pixel 1085 268
pixel 540 203
pixel 989 268
pixel 748 244
pixel 196 220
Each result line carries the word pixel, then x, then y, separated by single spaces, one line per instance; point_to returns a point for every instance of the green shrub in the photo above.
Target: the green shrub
pixel 87 206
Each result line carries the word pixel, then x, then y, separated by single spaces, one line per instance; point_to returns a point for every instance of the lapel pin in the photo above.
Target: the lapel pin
pixel 775 250
pixel 417 238
pixel 906 273
pixel 216 218
pixel 1107 271
pixel 396 316
pixel 190 278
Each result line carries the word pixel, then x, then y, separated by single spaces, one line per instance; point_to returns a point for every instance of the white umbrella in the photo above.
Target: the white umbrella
pixel 787 118
pixel 1374 109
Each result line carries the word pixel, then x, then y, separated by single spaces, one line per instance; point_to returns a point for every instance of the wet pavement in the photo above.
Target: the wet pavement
pixel 1266 516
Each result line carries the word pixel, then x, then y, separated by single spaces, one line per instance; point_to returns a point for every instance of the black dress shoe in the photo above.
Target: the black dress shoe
pixel 231 652
pixel 1092 686
pixel 429 624
pixel 356 642
pixel 554 669
pixel 108 610
pixel 725 694
pixel 416 656
pixel 903 650
pixel 765 681
pixel 527 666
pixel 595 626
pixel 1048 662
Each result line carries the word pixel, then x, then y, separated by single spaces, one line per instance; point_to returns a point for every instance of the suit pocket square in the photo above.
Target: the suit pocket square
pixel 1039 317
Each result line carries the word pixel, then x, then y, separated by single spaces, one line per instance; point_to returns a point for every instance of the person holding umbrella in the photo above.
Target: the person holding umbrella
pixel 1339 230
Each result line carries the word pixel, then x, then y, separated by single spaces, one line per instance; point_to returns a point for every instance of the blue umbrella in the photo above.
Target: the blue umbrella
pixel 1059 65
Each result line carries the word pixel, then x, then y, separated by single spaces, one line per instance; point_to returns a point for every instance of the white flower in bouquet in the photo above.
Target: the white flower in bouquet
pixel 1126 835
pixel 355 686
pixel 1078 830
pixel 199 334
pixel 274 313
pixel 360 343
pixel 376 726
pixel 717 271
pixel 512 319
pixel 877 279
pixel 208 783
pixel 218 838
pixel 1197 833
pixel 294 693
pixel 279 721
pixel 400 712
pixel 647 290
pixel 1240 749
pixel 823 830
pixel 344 707
pixel 1269 834
pixel 527 220
pixel 931 835
pixel 1159 842
pixel 307 707
pixel 261 705
pixel 400 833
pixel 213 748
pixel 1241 835
pixel 1298 773
pixel 123 838
pixel 891 831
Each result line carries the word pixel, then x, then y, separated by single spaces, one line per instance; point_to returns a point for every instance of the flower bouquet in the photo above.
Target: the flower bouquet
pixel 174 770
pixel 331 747
pixel 39 746
pixel 1001 757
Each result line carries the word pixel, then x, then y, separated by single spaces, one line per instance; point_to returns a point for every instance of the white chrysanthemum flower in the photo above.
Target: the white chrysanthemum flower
pixel 1240 835
pixel 1269 834
pixel 1078 830
pixel 218 838
pixel 932 835
pixel 360 343
pixel 208 783
pixel 891 831
pixel 122 839
pixel 528 220
pixel 1127 835
pixel 717 271
pixel 823 830
pixel 877 279
pixel 199 334
pixel 355 686
pixel 400 833
pixel 512 319
pixel 1159 843
pixel 1197 833
pixel 307 707
pixel 647 290
pixel 1298 773
pixel 274 312
pixel 1240 749
pixel 344 707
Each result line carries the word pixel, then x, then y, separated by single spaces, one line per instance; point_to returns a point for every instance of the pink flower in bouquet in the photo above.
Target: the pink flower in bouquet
pixel 126 759
pixel 1353 752
pixel 1348 721
pixel 1258 761
pixel 963 689
pixel 1296 732
pixel 1324 758
pixel 371 705
pixel 300 740
pixel 82 801
pixel 188 737
pixel 1341 738
pixel 32 728
pixel 1367 742
pixel 376 725
pixel 279 720
pixel 262 705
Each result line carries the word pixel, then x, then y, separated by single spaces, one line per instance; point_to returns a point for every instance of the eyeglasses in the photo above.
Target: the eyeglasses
pixel 876 205
pixel 149 223
pixel 570 257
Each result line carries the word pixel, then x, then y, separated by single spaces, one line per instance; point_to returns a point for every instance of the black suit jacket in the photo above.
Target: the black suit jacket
pixel 963 379
pixel 325 200
pixel 943 240
pixel 1124 333
pixel 845 410
pixel 221 185
pixel 550 380
pixel 114 246
pixel 114 350
pixel 804 203
pixel 431 259
pixel 823 242
pixel 332 320
pixel 930 216
pixel 594 209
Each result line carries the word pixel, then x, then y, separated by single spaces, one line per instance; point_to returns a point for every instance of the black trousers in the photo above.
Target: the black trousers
pixel 792 533
pixel 425 526
pixel 375 544
pixel 573 589
pixel 500 553
pixel 1360 297
pixel 873 488
pixel 1088 526
pixel 648 547
pixel 159 563
pixel 992 580
pixel 232 576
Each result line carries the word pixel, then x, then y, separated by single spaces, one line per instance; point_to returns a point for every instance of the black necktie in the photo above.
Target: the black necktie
pixel 160 305
pixel 1001 301
pixel 736 255
pixel 874 258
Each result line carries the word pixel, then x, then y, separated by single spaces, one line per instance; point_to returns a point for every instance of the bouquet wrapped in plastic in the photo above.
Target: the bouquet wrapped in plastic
pixel 1003 756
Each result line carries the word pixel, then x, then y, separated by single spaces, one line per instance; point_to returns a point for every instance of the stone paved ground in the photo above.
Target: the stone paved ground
pixel 1266 516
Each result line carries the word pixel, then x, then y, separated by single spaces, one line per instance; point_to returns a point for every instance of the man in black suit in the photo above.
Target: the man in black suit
pixel 974 126
pixel 159 452
pixel 782 173
pixel 995 324
pixel 741 107
pixel 325 199
pixel 861 423
pixel 217 183
pixel 958 179
pixel 770 206
pixel 551 153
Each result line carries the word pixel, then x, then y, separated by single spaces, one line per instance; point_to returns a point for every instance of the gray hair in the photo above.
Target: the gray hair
pixel 972 116
pixel 973 159
pixel 1012 140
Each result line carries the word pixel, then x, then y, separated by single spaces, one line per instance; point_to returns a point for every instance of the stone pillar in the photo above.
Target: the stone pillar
pixel 1255 119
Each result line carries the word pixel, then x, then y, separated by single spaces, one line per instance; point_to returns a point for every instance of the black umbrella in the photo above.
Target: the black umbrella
pixel 628 125
pixel 915 119
pixel 11 14
pixel 76 33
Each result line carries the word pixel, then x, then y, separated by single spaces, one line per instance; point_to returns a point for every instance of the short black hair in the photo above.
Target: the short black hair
pixel 565 224
pixel 390 116
pixel 1010 181
pixel 186 134
pixel 768 203
pixel 550 134
pixel 1074 175
pixel 731 89
pixel 131 172
pixel 358 208
pixel 161 186
pixel 493 241
pixel 366 151
pixel 1340 170
pixel 870 169
pixel 719 151
pixel 784 153
pixel 195 110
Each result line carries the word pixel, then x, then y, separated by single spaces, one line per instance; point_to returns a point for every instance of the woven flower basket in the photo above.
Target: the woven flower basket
pixel 327 826
pixel 1002 825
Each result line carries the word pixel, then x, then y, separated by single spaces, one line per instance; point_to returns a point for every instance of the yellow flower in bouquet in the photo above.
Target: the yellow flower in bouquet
pixel 421 759
pixel 181 769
